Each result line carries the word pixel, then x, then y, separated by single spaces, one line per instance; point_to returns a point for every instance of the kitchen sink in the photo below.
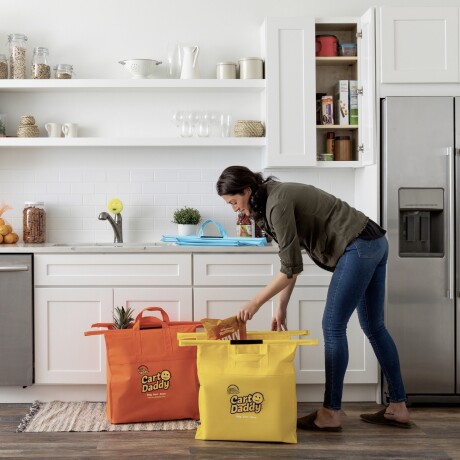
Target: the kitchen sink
pixel 109 245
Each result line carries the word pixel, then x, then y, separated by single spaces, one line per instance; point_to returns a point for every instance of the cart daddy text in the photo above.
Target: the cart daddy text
pixel 158 381
pixel 249 403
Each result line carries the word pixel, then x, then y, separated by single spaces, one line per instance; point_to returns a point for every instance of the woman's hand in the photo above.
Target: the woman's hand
pixel 279 320
pixel 247 311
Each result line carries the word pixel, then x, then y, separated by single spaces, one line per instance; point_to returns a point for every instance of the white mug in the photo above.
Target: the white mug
pixel 53 129
pixel 70 129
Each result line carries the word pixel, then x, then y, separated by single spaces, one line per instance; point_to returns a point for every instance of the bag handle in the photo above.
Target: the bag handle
pixel 164 315
pixel 222 231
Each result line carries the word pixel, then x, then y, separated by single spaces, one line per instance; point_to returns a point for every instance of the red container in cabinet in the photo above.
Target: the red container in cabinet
pixel 326 45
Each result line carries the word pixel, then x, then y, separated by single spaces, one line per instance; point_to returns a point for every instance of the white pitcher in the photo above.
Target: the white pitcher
pixel 189 62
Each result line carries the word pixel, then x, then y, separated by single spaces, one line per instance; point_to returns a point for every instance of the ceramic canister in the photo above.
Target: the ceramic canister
pixel 251 67
pixel 226 70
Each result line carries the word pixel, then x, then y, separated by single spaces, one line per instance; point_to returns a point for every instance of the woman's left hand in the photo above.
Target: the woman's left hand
pixel 247 311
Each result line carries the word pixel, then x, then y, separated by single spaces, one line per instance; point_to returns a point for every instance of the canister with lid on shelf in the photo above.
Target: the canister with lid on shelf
pixel 17 47
pixel 226 70
pixel 251 67
pixel 40 63
pixel 342 148
pixel 63 71
pixel 34 222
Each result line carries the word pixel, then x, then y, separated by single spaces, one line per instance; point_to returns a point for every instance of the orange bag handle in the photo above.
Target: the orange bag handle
pixel 164 315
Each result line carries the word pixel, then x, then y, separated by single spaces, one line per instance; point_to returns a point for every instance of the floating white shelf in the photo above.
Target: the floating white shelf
pixel 132 142
pixel 339 164
pixel 131 84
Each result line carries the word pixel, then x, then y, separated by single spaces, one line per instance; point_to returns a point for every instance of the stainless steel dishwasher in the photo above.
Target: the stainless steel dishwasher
pixel 16 320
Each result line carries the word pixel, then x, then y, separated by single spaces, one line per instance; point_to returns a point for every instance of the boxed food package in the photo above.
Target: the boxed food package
pixel 327 112
pixel 353 101
pixel 341 107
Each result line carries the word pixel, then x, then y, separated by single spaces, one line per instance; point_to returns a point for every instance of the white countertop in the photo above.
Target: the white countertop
pixel 156 247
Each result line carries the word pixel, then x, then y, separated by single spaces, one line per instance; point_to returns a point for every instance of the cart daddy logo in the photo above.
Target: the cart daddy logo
pixel 250 403
pixel 158 381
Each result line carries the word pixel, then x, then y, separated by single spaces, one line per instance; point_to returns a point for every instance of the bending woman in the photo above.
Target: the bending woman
pixel 342 240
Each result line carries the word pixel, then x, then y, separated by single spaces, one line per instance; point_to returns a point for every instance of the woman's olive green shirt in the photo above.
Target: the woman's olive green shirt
pixel 300 216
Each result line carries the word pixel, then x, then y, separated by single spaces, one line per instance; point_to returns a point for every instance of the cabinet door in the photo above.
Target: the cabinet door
pixel 367 135
pixel 221 302
pixel 305 311
pixel 290 93
pixel 62 353
pixel 419 45
pixel 177 302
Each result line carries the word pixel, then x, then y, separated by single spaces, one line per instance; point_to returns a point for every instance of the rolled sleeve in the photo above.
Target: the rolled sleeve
pixel 283 222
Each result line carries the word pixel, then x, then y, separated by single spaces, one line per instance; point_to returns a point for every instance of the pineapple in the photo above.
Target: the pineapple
pixel 122 318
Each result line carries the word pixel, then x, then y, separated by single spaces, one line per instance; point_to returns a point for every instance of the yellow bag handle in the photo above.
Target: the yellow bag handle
pixel 186 342
pixel 202 335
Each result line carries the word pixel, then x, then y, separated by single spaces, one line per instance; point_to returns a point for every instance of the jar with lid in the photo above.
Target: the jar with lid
pixel 34 222
pixel 330 142
pixel 3 67
pixel 40 63
pixel 342 148
pixel 226 70
pixel 63 71
pixel 17 47
pixel 251 67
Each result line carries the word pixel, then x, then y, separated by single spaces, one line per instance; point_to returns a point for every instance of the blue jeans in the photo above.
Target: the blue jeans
pixel 359 282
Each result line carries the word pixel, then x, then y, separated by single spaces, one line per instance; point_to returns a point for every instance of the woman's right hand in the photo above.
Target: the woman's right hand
pixel 247 311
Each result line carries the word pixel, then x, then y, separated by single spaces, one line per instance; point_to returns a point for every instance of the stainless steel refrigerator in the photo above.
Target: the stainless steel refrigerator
pixel 420 210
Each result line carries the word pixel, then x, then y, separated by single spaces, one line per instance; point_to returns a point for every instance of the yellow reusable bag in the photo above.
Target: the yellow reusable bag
pixel 247 387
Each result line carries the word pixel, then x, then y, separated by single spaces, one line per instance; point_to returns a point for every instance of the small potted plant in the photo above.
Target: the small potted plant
pixel 186 219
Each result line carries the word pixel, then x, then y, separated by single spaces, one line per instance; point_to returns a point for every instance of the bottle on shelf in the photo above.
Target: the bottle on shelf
pixel 40 63
pixel 17 48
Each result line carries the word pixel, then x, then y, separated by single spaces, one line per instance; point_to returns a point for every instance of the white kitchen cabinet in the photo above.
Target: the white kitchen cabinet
pixel 306 309
pixel 74 291
pixel 419 45
pixel 293 77
pixel 63 355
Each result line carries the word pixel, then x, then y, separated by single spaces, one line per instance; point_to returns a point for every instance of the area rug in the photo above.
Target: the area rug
pixel 86 416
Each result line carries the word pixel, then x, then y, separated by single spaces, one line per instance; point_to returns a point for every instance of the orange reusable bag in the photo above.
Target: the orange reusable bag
pixel 149 377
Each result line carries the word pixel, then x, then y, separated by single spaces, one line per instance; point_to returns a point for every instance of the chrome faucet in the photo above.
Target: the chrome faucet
pixel 116 225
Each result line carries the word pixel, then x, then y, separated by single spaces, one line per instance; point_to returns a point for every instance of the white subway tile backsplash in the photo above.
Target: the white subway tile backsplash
pixel 70 176
pixel 166 175
pixel 74 198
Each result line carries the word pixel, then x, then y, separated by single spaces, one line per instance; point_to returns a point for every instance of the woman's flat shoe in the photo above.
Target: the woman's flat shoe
pixel 380 419
pixel 308 423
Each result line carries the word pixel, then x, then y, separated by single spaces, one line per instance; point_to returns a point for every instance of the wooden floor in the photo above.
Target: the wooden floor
pixel 435 436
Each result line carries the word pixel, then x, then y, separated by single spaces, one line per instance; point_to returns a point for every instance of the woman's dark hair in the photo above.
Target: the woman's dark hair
pixel 235 179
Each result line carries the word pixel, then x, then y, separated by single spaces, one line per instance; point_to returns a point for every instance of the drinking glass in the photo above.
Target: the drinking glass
pixel 204 125
pixel 225 124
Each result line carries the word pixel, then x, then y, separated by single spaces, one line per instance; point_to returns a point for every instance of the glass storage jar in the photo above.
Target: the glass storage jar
pixel 40 63
pixel 17 47
pixel 3 67
pixel 63 71
pixel 34 222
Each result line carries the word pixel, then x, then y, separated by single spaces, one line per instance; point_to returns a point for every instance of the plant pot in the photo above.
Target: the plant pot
pixel 186 229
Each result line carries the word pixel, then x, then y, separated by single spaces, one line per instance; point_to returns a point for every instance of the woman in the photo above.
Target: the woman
pixel 342 240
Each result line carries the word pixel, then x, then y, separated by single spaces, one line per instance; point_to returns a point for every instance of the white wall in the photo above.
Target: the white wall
pixel 94 35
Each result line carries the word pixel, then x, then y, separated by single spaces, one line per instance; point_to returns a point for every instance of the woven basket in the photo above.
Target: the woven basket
pixel 28 120
pixel 249 128
pixel 28 131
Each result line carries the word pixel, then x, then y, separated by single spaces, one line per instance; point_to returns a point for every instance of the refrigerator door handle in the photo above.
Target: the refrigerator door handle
pixel 451 222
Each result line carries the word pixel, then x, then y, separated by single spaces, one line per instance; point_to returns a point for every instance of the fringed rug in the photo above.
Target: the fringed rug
pixel 86 416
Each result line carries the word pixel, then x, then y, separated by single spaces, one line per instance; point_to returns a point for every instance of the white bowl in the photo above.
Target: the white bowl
pixel 140 68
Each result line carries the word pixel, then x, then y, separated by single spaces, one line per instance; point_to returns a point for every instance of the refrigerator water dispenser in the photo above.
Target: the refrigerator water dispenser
pixel 421 222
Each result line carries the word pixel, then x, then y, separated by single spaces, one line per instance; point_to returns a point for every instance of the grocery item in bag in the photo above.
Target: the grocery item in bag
pixel 224 329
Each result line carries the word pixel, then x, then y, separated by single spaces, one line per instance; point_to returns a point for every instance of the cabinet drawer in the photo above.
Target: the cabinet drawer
pixel 250 270
pixel 234 269
pixel 112 269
